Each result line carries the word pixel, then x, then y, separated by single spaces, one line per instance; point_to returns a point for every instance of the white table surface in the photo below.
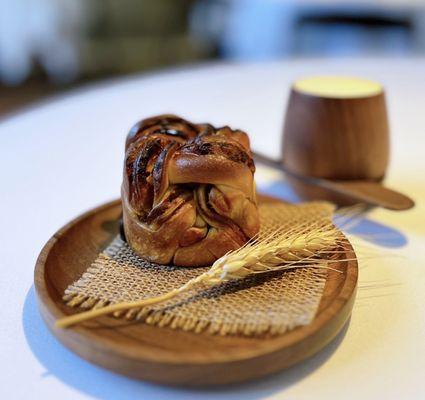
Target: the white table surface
pixel 64 156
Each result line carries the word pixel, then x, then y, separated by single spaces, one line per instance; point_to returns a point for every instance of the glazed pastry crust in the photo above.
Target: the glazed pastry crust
pixel 188 191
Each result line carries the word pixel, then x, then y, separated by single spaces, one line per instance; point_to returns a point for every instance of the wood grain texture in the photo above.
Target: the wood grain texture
pixel 342 140
pixel 342 192
pixel 171 356
pixel 336 138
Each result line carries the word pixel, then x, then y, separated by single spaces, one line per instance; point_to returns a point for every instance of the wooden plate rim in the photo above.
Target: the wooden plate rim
pixel 51 311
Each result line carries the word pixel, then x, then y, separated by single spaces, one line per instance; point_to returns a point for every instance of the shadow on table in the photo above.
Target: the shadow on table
pixel 360 225
pixel 62 364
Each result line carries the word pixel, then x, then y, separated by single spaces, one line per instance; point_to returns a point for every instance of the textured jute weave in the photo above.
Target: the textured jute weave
pixel 270 303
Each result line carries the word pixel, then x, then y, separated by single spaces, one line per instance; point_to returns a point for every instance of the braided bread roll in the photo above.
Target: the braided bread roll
pixel 188 192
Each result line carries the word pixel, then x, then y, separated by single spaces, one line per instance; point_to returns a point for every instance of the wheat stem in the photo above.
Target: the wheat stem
pixel 275 252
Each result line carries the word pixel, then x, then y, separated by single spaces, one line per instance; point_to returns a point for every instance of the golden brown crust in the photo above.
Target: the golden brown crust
pixel 188 191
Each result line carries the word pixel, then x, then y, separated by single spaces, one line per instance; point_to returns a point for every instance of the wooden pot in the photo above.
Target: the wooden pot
pixel 336 128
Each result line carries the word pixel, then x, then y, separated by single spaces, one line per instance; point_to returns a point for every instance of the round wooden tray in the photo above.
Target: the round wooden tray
pixel 171 356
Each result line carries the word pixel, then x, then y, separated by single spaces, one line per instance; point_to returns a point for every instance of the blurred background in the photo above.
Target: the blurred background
pixel 49 46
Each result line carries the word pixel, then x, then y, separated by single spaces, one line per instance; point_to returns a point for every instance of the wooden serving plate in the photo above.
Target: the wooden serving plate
pixel 171 356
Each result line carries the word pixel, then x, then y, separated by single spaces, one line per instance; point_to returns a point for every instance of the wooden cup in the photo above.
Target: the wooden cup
pixel 336 128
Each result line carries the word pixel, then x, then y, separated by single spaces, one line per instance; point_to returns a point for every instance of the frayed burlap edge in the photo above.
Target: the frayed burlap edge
pixel 75 297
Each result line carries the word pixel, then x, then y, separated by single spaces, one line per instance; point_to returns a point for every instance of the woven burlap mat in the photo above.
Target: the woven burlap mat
pixel 271 303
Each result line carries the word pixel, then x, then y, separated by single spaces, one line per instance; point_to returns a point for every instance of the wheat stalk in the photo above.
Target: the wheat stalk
pixel 280 250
